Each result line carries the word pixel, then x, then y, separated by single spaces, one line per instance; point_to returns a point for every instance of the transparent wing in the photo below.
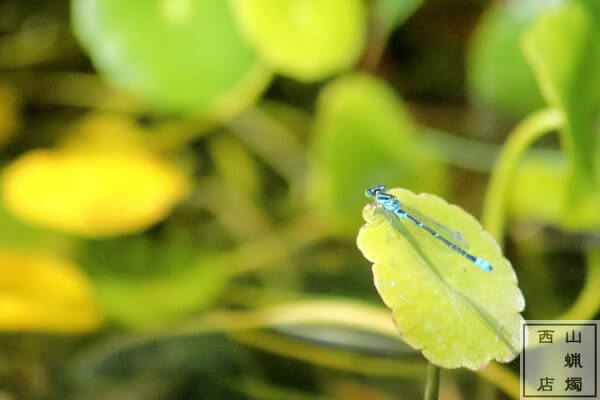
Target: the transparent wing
pixel 451 235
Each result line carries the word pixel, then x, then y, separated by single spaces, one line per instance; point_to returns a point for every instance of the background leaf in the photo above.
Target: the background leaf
pixel 496 66
pixel 363 136
pixel 442 304
pixel 177 55
pixel 143 282
pixel 100 194
pixel 298 37
pixel 44 294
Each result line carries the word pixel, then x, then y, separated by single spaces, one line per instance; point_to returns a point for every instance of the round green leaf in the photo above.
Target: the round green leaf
pixel 305 39
pixel 155 300
pixel 363 135
pixel 496 67
pixel 442 304
pixel 143 282
pixel 179 55
pixel 559 61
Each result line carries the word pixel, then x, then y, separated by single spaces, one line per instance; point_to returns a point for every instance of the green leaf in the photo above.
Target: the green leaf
pixel 179 55
pixel 156 300
pixel 496 66
pixel 144 282
pixel 305 39
pixel 545 175
pixel 363 136
pixel 564 51
pixel 442 304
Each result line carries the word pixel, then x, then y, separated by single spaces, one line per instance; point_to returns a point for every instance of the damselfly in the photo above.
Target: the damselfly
pixel 452 239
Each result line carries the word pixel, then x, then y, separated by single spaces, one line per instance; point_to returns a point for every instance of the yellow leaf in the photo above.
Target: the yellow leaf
pixel 91 194
pixel 44 293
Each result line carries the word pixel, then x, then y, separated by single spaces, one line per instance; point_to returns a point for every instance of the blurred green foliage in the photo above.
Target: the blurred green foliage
pixel 499 76
pixel 275 116
pixel 567 72
pixel 180 55
pixel 363 134
pixel 144 282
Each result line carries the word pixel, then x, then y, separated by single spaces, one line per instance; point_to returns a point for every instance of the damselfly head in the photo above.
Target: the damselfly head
pixel 372 192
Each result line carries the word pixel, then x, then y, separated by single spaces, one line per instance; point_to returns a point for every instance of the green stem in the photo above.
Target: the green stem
pixel 432 387
pixel 378 40
pixel 519 140
pixel 588 302
pixel 387 15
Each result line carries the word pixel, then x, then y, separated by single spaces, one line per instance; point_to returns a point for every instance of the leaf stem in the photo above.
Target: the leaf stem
pixel 588 302
pixel 432 387
pixel 533 127
pixel 387 15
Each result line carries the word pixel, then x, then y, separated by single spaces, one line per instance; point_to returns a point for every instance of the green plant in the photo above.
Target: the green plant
pixel 183 189
pixel 405 265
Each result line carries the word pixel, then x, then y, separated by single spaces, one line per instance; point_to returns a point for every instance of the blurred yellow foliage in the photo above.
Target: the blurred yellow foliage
pixel 307 40
pixel 92 193
pixel 44 293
